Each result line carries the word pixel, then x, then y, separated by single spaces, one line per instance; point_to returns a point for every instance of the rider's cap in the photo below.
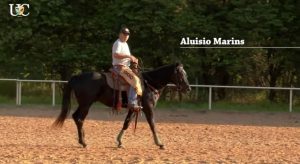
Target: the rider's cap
pixel 125 30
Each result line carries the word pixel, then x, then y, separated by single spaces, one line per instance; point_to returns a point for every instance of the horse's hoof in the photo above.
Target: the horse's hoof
pixel 83 144
pixel 120 146
pixel 161 147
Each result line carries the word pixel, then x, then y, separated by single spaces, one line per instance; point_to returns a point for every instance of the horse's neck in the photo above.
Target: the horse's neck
pixel 158 78
pixel 156 83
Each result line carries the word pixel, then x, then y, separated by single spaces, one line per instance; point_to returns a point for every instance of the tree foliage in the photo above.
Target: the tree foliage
pixel 62 37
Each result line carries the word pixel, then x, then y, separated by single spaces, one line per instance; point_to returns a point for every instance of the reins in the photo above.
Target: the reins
pixel 137 70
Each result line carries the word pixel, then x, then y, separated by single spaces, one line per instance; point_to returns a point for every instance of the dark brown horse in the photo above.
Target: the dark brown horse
pixel 92 87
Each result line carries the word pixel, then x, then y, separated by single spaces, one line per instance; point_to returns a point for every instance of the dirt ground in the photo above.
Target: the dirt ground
pixel 189 137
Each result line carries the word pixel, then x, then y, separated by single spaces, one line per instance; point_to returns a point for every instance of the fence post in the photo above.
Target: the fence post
pixel 209 98
pixel 291 100
pixel 17 92
pixel 197 90
pixel 20 94
pixel 53 93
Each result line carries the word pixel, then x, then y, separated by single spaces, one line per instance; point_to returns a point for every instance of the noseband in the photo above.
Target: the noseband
pixel 179 78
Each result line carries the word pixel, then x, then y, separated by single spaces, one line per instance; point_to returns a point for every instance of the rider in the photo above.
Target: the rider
pixel 121 58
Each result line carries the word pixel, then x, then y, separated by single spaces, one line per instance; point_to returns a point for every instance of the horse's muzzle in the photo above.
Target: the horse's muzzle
pixel 189 89
pixel 186 89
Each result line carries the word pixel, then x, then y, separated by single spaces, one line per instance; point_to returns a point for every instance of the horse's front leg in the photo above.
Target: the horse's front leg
pixel 149 116
pixel 125 127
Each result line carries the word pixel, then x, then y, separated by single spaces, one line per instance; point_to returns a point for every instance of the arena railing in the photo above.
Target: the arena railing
pixel 19 88
pixel 210 87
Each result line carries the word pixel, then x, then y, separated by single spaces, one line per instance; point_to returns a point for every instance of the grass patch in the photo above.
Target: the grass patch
pixel 252 107
pixel 7 100
pixel 263 106
pixel 182 105
pixel 42 101
pixel 230 106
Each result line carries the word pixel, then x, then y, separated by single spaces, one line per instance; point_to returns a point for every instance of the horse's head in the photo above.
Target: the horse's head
pixel 179 78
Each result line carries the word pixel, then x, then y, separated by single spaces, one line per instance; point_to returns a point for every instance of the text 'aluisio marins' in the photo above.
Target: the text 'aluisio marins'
pixel 186 41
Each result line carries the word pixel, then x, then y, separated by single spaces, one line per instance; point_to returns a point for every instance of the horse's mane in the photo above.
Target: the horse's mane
pixel 159 69
pixel 160 74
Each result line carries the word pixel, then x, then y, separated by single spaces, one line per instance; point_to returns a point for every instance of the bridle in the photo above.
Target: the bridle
pixel 179 79
pixel 179 73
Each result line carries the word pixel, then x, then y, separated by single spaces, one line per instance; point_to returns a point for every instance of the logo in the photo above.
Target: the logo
pixel 19 10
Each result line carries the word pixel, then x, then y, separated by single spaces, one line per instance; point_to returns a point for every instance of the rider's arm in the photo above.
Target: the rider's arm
pixel 122 56
pixel 117 53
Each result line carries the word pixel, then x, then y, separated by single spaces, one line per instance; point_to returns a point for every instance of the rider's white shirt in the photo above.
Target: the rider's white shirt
pixel 120 48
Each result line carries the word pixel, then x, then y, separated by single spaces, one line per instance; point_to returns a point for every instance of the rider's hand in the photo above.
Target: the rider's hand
pixel 133 59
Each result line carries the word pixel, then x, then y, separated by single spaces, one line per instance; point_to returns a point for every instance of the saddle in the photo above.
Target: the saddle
pixel 120 87
pixel 115 81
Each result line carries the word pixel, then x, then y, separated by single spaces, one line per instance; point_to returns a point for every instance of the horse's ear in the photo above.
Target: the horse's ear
pixel 178 64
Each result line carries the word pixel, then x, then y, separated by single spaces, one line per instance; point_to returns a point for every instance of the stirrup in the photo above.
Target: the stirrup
pixel 135 108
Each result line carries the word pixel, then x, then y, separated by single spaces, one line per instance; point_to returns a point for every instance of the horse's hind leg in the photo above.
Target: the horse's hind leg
pixel 78 116
pixel 125 127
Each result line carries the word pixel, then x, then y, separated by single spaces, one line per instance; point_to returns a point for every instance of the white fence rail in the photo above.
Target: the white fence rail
pixel 247 87
pixel 19 88
pixel 210 87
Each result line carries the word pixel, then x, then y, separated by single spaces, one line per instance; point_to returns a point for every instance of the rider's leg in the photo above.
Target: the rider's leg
pixel 132 97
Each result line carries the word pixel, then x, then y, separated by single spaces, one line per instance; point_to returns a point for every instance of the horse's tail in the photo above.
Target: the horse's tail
pixel 66 105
